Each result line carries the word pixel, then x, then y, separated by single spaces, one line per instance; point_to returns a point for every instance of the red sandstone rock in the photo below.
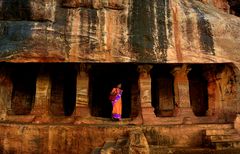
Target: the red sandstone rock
pixel 151 32
pixel 138 142
pixel 119 31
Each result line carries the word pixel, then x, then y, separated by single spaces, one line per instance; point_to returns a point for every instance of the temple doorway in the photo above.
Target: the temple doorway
pixel 23 78
pixel 63 90
pixel 103 77
pixel 198 90
pixel 162 91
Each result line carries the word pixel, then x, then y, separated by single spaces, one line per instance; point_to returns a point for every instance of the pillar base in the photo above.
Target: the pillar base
pixel 183 112
pixel 3 117
pixel 82 112
pixel 148 115
pixel 237 123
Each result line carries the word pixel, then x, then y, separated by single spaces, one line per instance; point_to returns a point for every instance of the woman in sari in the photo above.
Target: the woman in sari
pixel 115 97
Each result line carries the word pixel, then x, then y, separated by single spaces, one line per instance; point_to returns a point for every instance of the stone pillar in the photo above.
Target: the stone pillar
pixel 5 94
pixel 42 96
pixel 82 109
pixel 237 123
pixel 181 91
pixel 213 95
pixel 144 83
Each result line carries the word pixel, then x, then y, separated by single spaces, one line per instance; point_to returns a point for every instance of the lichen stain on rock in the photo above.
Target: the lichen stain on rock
pixel 189 23
pixel 205 31
pixel 155 137
pixel 164 25
pixel 148 29
pixel 12 35
pixel 32 10
pixel 140 24
pixel 88 27
pixel 12 9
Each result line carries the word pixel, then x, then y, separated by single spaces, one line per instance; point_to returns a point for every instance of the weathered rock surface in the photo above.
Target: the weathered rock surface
pixel 220 4
pixel 138 142
pixel 168 31
pixel 157 31
pixel 83 139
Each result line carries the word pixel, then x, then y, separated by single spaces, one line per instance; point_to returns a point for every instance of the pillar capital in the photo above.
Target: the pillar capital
pixel 84 70
pixel 144 70
pixel 84 67
pixel 181 72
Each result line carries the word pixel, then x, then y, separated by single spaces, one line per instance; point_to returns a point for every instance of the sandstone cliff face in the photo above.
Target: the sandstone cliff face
pixel 220 4
pixel 169 31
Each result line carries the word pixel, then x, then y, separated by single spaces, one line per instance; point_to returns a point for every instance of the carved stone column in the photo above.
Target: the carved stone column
pixel 181 91
pixel 43 94
pixel 82 109
pixel 145 93
pixel 212 93
pixel 5 94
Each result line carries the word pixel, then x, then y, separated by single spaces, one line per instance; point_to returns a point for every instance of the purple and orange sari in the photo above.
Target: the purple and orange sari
pixel 117 104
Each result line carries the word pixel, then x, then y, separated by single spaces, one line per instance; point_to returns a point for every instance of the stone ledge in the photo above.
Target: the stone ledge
pixel 107 121
pixel 53 120
pixel 20 118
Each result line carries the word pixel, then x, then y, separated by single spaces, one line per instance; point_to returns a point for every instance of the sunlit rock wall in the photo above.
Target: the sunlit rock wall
pixel 168 31
pixel 83 139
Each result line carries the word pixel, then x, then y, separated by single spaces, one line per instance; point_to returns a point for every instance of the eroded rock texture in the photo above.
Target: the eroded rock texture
pixel 119 31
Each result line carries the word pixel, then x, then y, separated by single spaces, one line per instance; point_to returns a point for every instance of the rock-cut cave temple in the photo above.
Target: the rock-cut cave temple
pixel 178 62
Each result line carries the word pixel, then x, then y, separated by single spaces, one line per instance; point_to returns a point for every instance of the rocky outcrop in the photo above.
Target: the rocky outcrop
pixel 168 31
pixel 220 4
pixel 138 142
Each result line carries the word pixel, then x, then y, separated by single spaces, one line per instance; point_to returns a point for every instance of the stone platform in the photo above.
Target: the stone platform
pixel 84 138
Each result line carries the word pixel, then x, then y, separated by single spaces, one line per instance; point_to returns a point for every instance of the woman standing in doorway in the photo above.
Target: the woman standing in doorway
pixel 116 99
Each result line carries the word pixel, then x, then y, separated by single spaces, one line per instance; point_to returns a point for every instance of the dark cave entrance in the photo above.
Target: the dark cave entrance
pixel 24 86
pixel 234 7
pixel 198 89
pixel 103 77
pixel 162 90
pixel 63 90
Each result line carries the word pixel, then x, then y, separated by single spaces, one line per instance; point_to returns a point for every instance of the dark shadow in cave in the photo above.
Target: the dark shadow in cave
pixel 63 91
pixel 198 90
pixel 162 90
pixel 16 10
pixel 234 7
pixel 103 77
pixel 24 87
